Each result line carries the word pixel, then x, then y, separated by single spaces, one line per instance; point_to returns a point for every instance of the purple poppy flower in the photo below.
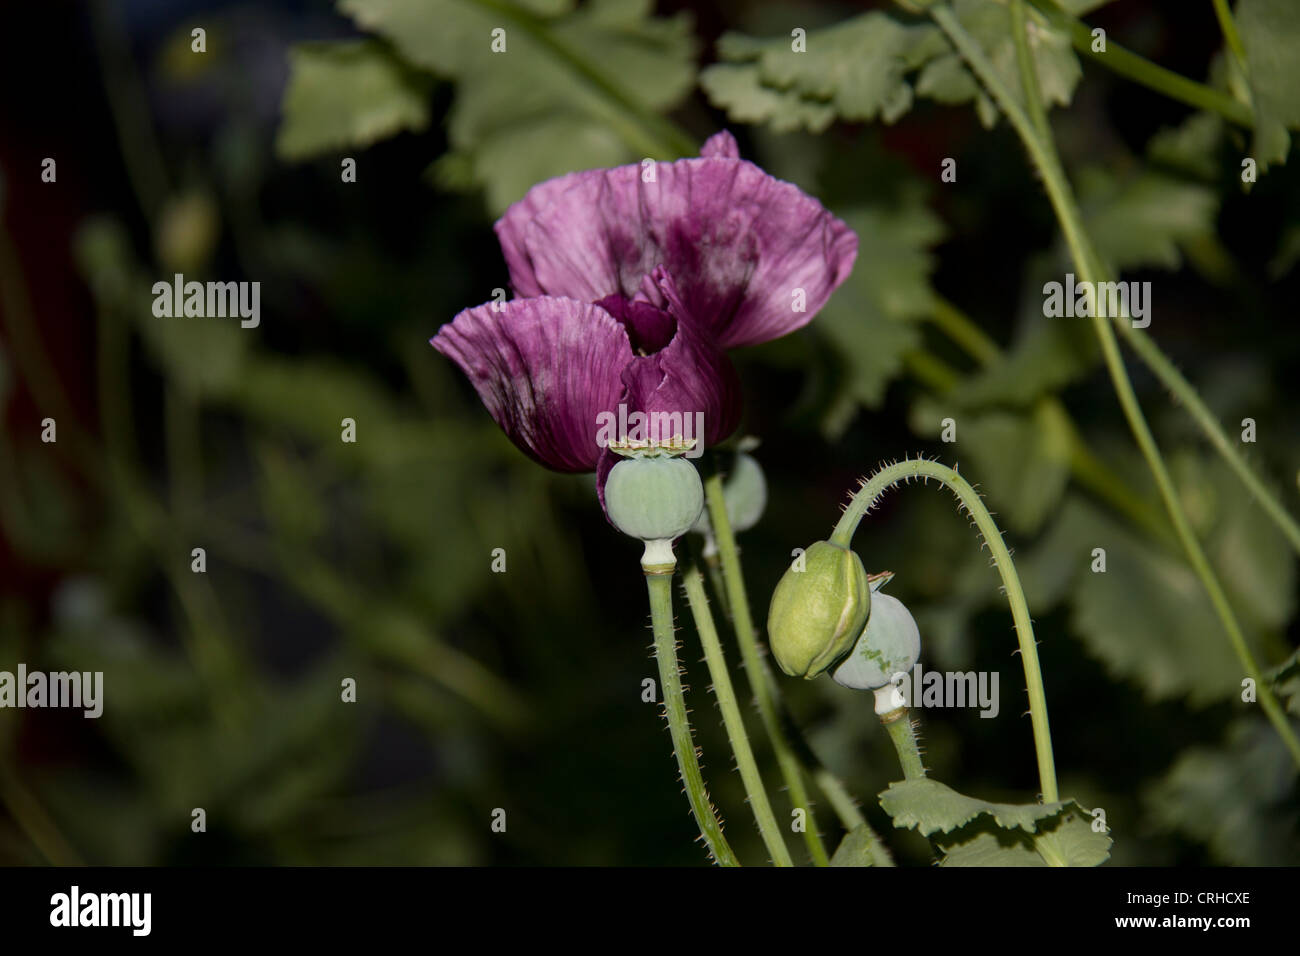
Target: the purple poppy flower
pixel 633 282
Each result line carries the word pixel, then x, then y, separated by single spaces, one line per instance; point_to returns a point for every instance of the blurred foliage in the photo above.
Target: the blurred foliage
pixel 372 560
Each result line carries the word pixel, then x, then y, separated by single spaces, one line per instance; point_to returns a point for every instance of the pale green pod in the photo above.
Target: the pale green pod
pixel 818 612
pixel 890 644
pixel 745 492
pixel 654 498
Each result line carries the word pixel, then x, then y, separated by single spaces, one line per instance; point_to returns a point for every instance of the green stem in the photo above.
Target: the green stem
pixel 1028 74
pixel 1230 35
pixel 1043 153
pixel 1141 70
pixel 958 326
pixel 33 820
pixel 1185 395
pixel 1091 472
pixel 889 476
pixel 679 725
pixel 693 583
pixel 903 735
pixel 760 680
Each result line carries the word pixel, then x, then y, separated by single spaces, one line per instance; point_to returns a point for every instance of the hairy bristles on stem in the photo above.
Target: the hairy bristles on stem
pixel 898 473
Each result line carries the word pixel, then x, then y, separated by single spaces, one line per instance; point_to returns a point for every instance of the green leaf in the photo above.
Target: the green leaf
pixel 1270 33
pixel 947 80
pixel 932 807
pixel 1067 840
pixel 739 89
pixel 592 79
pixel 1019 460
pixel 871 319
pixel 1285 679
pixel 1142 222
pixel 1147 616
pixel 349 93
pixel 854 70
pixel 1048 354
pixel 1235 797
pixel 1190 148
pixel 855 848
pixel 973 832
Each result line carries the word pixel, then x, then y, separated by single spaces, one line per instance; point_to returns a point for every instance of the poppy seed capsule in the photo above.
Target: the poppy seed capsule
pixel 745 493
pixel 654 498
pixel 818 612
pixel 890 644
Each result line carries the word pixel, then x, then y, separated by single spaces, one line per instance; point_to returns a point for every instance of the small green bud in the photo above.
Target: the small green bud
pixel 890 644
pixel 818 612
pixel 654 498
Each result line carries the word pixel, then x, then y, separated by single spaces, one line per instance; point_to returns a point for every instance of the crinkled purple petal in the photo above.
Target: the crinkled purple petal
pixel 746 250
pixel 721 145
pixel 689 375
pixel 545 368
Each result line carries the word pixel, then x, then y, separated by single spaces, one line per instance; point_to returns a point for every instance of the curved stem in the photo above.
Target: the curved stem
pixel 693 583
pixel 679 725
pixel 889 476
pixel 1042 151
pixel 760 680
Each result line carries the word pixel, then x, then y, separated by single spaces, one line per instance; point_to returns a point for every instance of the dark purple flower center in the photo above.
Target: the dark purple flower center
pixel 649 328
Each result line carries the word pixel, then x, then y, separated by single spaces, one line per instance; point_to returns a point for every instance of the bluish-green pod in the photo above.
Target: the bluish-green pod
pixel 890 644
pixel 818 611
pixel 745 492
pixel 654 498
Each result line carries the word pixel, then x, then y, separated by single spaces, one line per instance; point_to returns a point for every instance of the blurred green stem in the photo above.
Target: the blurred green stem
pixel 1089 470
pixel 1141 70
pixel 693 584
pixel 1042 151
pixel 127 102
pixel 679 724
pixel 1230 35
pixel 865 498
pixel 33 820
pixel 760 679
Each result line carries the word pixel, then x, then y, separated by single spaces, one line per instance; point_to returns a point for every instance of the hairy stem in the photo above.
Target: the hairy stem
pixel 760 680
pixel 693 584
pixel 903 735
pixel 1042 151
pixel 890 476
pixel 679 725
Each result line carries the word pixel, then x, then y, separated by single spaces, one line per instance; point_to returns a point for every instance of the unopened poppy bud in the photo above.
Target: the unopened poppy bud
pixel 654 497
pixel 818 612
pixel 890 644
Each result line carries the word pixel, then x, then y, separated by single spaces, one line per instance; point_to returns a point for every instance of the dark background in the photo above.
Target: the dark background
pixel 371 561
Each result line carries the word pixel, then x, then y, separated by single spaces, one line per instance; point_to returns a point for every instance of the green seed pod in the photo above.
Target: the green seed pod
pixel 818 612
pixel 745 493
pixel 654 498
pixel 890 644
